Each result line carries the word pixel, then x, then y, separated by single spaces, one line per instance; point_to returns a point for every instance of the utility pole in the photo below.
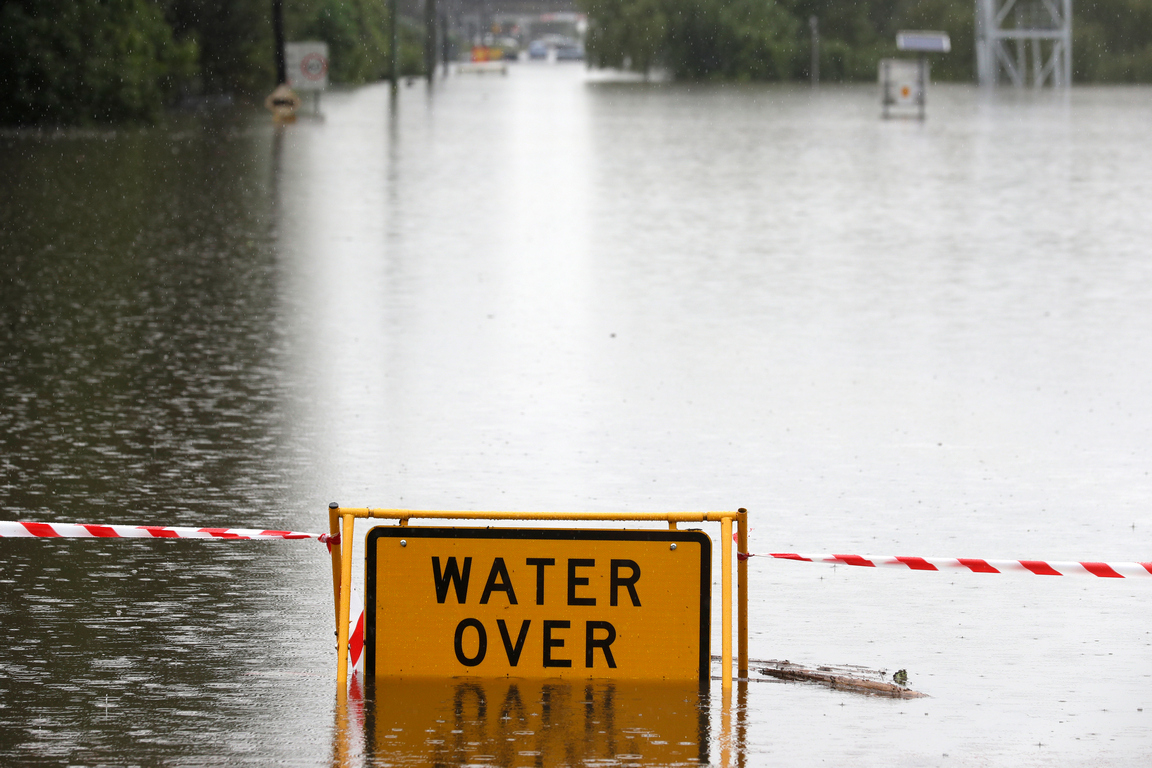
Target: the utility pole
pixel 430 57
pixel 278 36
pixel 444 41
pixel 394 33
pixel 814 25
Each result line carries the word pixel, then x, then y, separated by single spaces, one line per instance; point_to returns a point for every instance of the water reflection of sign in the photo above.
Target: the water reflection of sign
pixel 306 64
pixel 537 722
pixel 538 603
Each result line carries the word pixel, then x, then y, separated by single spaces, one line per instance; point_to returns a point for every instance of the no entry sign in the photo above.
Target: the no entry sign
pixel 538 603
pixel 306 64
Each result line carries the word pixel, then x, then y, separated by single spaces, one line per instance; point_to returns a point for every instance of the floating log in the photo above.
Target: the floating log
pixel 840 679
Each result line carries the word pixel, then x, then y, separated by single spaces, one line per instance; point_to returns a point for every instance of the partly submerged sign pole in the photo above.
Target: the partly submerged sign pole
pixel 342 522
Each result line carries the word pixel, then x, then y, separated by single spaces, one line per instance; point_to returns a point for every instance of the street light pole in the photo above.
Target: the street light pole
pixel 394 30
pixel 444 40
pixel 430 57
pixel 814 25
pixel 278 35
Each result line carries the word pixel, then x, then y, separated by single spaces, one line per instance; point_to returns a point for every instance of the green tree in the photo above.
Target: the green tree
pixel 694 39
pixel 735 39
pixel 358 37
pixel 626 34
pixel 958 19
pixel 73 61
pixel 234 39
pixel 853 36
pixel 731 40
pixel 1112 41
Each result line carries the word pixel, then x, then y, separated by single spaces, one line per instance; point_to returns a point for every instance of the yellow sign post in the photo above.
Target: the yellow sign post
pixel 538 603
pixel 563 622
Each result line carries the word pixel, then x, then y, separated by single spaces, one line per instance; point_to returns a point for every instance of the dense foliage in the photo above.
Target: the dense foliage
pixel 71 60
pixel 771 39
pixel 1112 41
pixel 76 61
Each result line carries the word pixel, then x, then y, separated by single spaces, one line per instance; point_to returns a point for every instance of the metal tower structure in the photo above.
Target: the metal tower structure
pixel 1025 40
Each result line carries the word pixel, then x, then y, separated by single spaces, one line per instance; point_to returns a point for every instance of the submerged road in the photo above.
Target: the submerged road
pixel 548 291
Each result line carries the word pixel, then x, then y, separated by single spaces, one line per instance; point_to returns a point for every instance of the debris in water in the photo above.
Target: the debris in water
pixel 845 678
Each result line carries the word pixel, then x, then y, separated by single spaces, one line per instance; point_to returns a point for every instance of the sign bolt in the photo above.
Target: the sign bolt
pixel 672 547
pixel 403 542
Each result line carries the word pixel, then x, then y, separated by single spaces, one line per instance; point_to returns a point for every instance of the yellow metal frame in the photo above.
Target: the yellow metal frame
pixel 342 521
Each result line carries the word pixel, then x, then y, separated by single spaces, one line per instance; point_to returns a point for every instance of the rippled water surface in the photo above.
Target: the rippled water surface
pixel 548 291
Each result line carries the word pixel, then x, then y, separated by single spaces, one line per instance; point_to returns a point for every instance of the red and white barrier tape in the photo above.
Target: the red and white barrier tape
pixel 976 565
pixel 81 531
pixel 11 529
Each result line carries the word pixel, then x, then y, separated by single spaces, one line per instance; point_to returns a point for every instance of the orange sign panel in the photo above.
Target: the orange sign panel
pixel 538 603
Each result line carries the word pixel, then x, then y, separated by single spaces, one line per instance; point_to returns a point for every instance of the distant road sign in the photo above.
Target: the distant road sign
pixel 902 82
pixel 283 103
pixel 538 603
pixel 307 65
pixel 923 42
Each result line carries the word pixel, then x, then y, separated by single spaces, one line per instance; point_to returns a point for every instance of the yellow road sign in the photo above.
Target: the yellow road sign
pixel 538 603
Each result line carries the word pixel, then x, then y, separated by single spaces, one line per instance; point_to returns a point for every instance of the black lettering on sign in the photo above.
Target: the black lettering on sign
pixel 578 581
pixel 628 582
pixel 591 642
pixel 505 585
pixel 551 642
pixel 481 647
pixel 451 574
pixel 540 562
pixel 513 651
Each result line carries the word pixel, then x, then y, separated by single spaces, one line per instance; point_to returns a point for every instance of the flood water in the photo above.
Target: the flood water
pixel 549 291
